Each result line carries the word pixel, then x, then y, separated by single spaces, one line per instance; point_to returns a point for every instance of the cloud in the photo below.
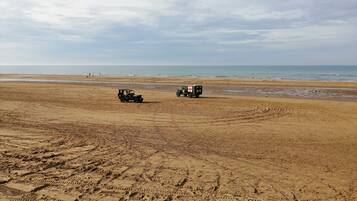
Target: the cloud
pixel 67 14
pixel 336 33
pixel 244 10
pixel 188 27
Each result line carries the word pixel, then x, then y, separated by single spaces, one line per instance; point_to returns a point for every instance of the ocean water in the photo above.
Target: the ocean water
pixel 330 73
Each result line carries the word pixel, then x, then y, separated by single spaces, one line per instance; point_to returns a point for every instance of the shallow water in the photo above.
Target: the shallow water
pixel 303 92
pixel 332 73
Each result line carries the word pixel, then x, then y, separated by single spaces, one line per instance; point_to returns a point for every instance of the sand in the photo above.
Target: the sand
pixel 68 141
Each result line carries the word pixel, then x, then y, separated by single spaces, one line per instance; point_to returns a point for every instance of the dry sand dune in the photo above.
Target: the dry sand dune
pixel 68 142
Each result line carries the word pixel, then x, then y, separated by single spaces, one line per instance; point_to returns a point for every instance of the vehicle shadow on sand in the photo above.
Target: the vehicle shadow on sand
pixel 150 102
pixel 212 97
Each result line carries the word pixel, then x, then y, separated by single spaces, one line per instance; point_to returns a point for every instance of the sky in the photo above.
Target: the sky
pixel 179 32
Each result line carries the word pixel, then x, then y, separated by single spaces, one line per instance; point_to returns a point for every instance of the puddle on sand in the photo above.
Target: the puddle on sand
pixel 296 92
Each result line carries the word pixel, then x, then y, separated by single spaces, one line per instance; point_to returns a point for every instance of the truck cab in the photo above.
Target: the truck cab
pixel 190 91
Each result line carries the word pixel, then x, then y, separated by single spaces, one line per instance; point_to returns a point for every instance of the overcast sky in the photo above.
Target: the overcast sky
pixel 264 32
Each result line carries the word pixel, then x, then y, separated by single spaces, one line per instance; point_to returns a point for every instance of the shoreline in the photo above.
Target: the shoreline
pixel 345 73
pixel 170 79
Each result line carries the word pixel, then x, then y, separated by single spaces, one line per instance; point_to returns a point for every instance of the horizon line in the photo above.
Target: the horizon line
pixel 178 64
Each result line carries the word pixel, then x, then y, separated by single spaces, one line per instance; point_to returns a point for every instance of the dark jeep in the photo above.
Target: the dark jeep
pixel 128 95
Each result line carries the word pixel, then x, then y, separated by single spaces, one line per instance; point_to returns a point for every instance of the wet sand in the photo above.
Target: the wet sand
pixel 215 85
pixel 75 140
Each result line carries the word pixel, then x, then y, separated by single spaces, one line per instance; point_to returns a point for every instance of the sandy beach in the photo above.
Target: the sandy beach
pixel 68 138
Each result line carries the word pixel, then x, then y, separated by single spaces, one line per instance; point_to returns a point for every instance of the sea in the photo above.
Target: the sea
pixel 281 72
